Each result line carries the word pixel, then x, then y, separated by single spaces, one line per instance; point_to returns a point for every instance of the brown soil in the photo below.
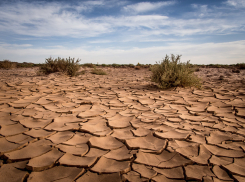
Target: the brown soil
pixel 121 127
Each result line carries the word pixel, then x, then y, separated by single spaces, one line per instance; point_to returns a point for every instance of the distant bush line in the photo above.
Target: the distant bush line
pixel 5 65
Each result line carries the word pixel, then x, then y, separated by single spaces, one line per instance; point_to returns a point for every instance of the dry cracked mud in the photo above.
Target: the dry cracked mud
pixel 121 127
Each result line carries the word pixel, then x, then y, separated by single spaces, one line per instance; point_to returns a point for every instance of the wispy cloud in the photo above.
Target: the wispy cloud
pixel 236 3
pixel 61 19
pixel 51 19
pixel 146 6
pixel 108 29
pixel 14 46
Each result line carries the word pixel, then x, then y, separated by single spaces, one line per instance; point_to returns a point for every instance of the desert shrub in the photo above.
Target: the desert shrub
pixel 235 71
pixel 137 67
pixel 6 64
pixel 116 65
pixel 172 73
pixel 88 65
pixel 139 64
pixel 68 66
pixel 81 72
pixel 131 65
pixel 98 71
pixel 72 66
pixel 196 69
pixel 25 65
pixel 240 65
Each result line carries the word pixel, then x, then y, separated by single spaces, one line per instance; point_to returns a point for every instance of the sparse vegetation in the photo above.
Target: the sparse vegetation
pixel 6 64
pixel 240 65
pixel 116 65
pixel 172 73
pixel 88 65
pixel 98 71
pixel 137 67
pixel 68 66
pixel 235 71
pixel 81 72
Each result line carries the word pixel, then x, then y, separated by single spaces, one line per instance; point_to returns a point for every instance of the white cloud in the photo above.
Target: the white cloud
pixel 57 19
pixel 66 21
pixel 207 53
pixel 51 19
pixel 236 3
pixel 15 45
pixel 146 6
pixel 100 41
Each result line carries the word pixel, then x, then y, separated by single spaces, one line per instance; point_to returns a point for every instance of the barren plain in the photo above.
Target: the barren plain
pixel 121 127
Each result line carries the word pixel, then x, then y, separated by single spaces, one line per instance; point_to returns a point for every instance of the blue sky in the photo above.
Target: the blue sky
pixel 123 32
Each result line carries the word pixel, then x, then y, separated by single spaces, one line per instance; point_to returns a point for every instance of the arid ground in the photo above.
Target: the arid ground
pixel 121 127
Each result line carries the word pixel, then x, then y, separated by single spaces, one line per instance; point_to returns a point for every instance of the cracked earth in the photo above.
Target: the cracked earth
pixel 120 127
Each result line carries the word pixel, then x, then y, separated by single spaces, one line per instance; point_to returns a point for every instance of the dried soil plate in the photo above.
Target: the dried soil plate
pixel 75 161
pixel 105 143
pixel 105 165
pixel 44 161
pixel 61 173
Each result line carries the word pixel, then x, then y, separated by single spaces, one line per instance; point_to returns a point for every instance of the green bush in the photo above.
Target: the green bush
pixel 6 64
pixel 98 71
pixel 68 66
pixel 172 73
